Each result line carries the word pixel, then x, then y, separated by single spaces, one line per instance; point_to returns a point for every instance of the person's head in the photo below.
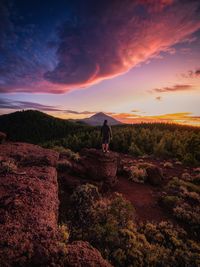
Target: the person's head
pixel 105 122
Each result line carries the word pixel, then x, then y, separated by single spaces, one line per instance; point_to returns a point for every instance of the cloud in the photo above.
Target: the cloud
pixel 98 41
pixel 175 88
pixel 114 37
pixel 181 118
pixel 135 110
pixel 80 113
pixel 192 74
pixel 159 98
pixel 156 5
pixel 19 105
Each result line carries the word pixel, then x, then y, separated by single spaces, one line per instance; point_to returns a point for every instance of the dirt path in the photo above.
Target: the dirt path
pixel 144 198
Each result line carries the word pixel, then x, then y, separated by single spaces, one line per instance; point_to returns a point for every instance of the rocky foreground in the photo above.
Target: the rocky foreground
pixel 29 233
pixel 35 183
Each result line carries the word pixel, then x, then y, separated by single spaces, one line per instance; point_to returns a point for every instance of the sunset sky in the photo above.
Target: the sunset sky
pixel 137 60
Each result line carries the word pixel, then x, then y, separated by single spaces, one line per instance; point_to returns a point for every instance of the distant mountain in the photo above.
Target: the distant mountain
pixel 99 118
pixel 34 126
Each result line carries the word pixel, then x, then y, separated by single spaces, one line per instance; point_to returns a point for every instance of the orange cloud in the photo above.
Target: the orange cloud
pixel 158 98
pixel 180 118
pixel 175 88
pixel 135 110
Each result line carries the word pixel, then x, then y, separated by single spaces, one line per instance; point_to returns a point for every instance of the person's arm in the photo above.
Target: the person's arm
pixel 110 132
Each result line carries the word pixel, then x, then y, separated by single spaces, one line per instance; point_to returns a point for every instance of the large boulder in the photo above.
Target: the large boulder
pixel 2 137
pixel 82 254
pixel 93 166
pixel 99 166
pixel 154 175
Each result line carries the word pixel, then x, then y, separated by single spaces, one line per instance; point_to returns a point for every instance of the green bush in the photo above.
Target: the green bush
pixel 137 174
pixel 108 224
pixel 83 199
pixel 170 201
pixel 183 200
pixel 67 152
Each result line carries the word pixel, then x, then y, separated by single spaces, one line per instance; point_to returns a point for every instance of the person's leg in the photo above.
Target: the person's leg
pixel 107 147
pixel 103 148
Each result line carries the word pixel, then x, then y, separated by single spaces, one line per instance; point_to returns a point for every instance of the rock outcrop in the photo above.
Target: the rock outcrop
pixel 29 155
pixel 28 203
pixel 94 166
pixel 100 166
pixel 29 233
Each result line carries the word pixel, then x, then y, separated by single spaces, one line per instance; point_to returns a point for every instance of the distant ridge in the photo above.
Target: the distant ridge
pixel 34 126
pixel 98 119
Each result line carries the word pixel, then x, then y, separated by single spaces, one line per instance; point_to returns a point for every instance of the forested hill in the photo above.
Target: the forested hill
pixel 157 139
pixel 34 126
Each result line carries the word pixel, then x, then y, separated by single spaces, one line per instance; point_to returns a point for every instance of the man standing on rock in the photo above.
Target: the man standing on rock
pixel 106 135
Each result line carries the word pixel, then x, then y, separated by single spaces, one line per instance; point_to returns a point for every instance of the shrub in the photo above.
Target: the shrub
pixel 145 165
pixel 134 150
pixel 110 228
pixel 176 183
pixel 7 166
pixel 189 159
pixel 82 201
pixel 168 165
pixel 189 214
pixel 178 163
pixel 170 201
pixel 137 174
pixel 186 176
pixel 172 244
pixel 196 179
pixel 184 203
pixel 64 233
pixel 67 152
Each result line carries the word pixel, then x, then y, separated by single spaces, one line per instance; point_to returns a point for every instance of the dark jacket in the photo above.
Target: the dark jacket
pixel 106 132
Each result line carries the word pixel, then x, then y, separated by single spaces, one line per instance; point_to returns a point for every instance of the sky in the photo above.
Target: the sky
pixel 136 60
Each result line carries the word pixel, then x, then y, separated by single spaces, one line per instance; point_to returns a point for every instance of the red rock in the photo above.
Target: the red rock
pixel 29 155
pixel 27 216
pixel 29 204
pixel 83 254
pixel 69 182
pixel 29 234
pixel 99 166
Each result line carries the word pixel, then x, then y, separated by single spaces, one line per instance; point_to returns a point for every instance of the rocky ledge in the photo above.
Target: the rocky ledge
pixel 29 233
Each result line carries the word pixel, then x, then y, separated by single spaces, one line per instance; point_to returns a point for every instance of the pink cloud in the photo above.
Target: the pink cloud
pixel 112 42
pixel 192 74
pixel 133 41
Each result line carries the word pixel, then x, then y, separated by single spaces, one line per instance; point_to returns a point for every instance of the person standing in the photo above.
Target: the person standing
pixel 106 134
